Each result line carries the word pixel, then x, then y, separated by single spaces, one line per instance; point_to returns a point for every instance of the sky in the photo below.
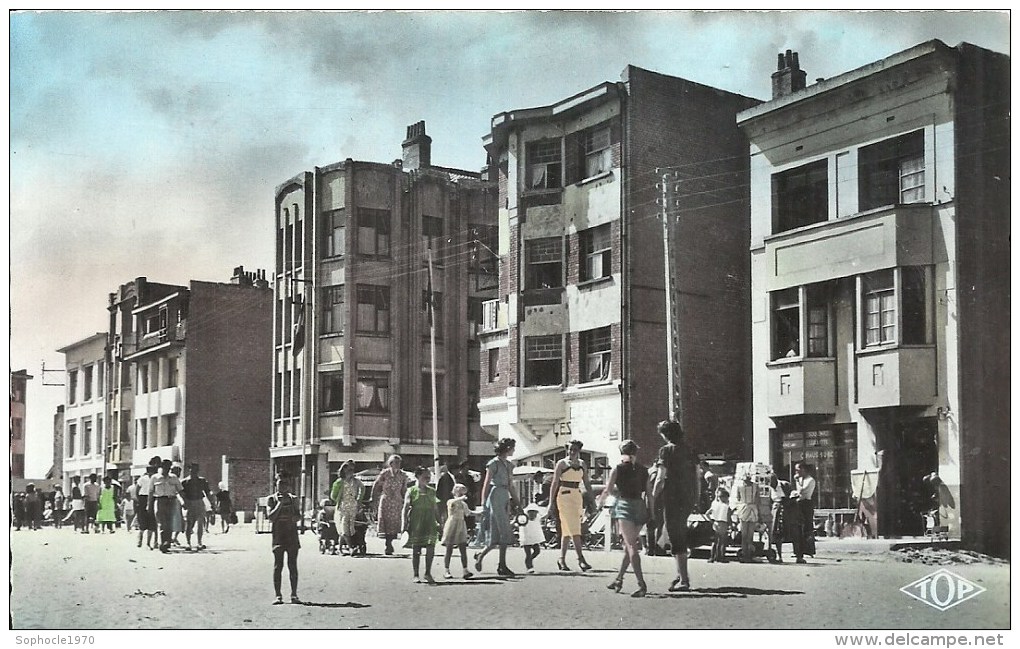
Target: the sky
pixel 150 143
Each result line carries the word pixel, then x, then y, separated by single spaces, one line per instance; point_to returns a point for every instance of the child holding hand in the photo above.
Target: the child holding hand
pixel 455 530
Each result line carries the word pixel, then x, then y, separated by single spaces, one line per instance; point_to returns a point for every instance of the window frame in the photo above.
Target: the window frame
pixel 549 267
pixel 596 344
pixel 328 391
pixel 374 225
pixel 493 365
pixel 334 235
pixel 597 152
pixel 380 303
pixel 596 247
pixel 333 311
pixel 547 155
pixel 546 351
pixel 380 386
pixel 881 171
pixel 800 196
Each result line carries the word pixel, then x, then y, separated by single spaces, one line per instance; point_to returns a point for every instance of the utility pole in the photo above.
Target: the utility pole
pixel 666 201
pixel 432 350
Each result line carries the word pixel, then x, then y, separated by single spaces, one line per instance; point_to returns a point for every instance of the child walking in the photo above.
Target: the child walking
pixel 455 530
pixel 719 512
pixel 421 522
pixel 531 536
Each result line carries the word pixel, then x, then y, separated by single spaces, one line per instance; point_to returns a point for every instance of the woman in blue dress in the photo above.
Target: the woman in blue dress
pixel 499 500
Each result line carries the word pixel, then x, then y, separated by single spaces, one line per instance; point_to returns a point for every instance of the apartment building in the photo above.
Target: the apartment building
pixel 574 347
pixel 189 377
pixel 880 287
pixel 352 362
pixel 84 408
pixel 19 388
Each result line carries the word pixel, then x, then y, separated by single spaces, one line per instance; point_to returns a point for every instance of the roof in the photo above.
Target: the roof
pixel 82 342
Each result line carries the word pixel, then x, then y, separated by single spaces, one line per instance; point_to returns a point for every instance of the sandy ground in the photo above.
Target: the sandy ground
pixel 63 580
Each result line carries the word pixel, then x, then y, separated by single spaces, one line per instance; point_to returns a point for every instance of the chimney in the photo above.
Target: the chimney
pixel 417 147
pixel 788 77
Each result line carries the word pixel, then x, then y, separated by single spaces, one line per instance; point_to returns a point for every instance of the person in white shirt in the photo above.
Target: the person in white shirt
pixel 146 521
pixel 719 512
pixel 806 505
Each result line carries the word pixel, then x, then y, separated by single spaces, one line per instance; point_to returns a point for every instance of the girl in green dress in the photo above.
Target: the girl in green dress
pixel 106 515
pixel 421 522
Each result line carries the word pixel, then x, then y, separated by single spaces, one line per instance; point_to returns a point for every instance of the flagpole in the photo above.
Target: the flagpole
pixel 432 346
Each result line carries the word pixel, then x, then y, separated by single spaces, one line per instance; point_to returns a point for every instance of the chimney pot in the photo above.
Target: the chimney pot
pixel 789 78
pixel 417 147
pixel 781 63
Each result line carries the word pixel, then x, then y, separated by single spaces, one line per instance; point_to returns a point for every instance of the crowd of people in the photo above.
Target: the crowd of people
pixel 160 505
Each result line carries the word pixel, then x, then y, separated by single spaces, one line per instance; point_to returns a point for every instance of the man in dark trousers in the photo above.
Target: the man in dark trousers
pixel 444 491
pixel 195 490
pixel 284 514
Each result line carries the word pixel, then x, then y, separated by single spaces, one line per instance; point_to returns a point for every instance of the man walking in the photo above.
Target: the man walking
pixel 91 492
pixel 145 519
pixel 284 514
pixel 58 506
pixel 196 495
pixel 165 488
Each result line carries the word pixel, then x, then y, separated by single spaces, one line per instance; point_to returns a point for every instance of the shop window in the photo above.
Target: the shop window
pixel 800 196
pixel 545 262
pixel 543 360
pixel 334 233
pixel 596 252
pixel 596 354
pixel 373 309
pixel 545 164
pixel 333 310
pixel 831 454
pixel 373 393
pixel 373 233
pixel 332 391
pixel 786 323
pixel 891 172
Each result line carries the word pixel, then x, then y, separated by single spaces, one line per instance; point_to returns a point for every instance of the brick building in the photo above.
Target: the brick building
pixel 19 389
pixel 188 378
pixel 351 357
pixel 880 287
pixel 574 346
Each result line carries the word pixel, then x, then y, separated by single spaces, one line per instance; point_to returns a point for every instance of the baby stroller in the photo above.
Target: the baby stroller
pixel 355 545
pixel 329 538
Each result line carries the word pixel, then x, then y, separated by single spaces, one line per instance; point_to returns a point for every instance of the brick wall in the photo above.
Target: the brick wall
pixel 248 479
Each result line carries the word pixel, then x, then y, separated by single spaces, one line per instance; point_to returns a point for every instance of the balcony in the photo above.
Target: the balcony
pixel 135 345
pixel 801 387
pixel 900 376
pixel 535 410
pixel 884 238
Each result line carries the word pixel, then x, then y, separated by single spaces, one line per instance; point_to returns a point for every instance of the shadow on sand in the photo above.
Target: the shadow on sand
pixel 725 592
pixel 334 604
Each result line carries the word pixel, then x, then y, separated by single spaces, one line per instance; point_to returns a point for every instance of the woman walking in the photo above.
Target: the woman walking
pixel 498 496
pixel 346 496
pixel 568 502
pixel 676 486
pixel 224 507
pixel 630 478
pixel 388 494
pixel 421 522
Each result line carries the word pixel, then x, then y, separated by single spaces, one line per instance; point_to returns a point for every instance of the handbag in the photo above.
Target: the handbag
pixel 233 518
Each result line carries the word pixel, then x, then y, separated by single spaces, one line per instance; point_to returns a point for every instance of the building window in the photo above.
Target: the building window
pixel 831 454
pixel 426 393
pixel 334 233
pixel 800 196
pixel 543 360
pixel 143 433
pixel 545 262
pixel 86 375
pixel 17 428
pixel 332 391
pixel 373 309
pixel 474 390
pixel 143 378
pixel 333 311
pixel 72 439
pixel 484 247
pixel 818 319
pixel 288 408
pixel 891 172
pixel 786 323
pixel 597 154
pixel 879 308
pixel 278 394
pixel 490 315
pixel 545 164
pixel 437 311
pixel 172 373
pixel 493 364
pixel 432 232
pixel 374 392
pixel 100 386
pixel 373 233
pixel 171 429
pixel 596 354
pixel 918 305
pixel 72 385
pixel 596 252
pixel 100 435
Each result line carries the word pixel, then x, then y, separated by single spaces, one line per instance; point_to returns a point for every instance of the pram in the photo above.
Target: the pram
pixel 355 545
pixel 329 538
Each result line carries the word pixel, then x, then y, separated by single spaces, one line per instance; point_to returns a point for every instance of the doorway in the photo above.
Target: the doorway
pixel 910 452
